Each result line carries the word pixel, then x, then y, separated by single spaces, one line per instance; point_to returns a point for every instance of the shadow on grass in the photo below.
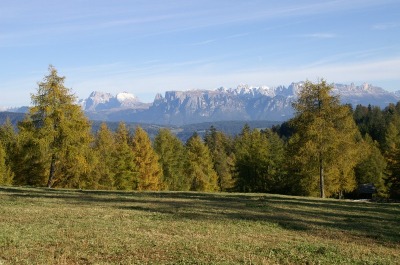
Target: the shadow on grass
pixel 378 222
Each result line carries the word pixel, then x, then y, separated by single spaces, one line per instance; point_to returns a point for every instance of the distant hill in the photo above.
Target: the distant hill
pixel 183 132
pixel 14 117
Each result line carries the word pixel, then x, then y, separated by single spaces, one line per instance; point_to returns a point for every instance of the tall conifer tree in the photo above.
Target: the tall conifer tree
pixel 104 148
pixel 170 151
pixel 372 168
pixel 324 141
pixel 124 169
pixel 392 154
pixel 58 127
pixel 252 161
pixel 6 176
pixel 8 140
pixel 199 166
pixel 222 156
pixel 149 172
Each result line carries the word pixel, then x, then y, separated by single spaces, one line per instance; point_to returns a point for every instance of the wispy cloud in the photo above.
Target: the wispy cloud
pixel 203 42
pixel 355 55
pixel 145 82
pixel 222 38
pixel 318 35
pixel 386 26
pixel 174 19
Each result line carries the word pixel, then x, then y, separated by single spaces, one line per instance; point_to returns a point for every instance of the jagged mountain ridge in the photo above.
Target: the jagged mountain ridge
pixel 241 103
pixel 98 101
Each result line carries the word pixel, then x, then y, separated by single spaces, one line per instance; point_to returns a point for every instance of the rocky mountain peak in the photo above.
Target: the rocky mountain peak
pixel 98 101
pixel 244 102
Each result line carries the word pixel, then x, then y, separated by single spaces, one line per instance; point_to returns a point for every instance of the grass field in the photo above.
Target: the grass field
pixel 42 226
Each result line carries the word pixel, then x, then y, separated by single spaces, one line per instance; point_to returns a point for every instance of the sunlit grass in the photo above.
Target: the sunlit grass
pixel 42 226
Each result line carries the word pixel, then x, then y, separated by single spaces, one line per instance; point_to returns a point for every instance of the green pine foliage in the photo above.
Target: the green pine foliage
pixel 6 176
pixel 371 120
pixel 29 164
pixel 58 128
pixel 277 170
pixel 324 146
pixel 392 154
pixel 252 161
pixel 171 155
pixel 124 169
pixel 104 151
pixel 8 142
pixel 199 166
pixel 149 172
pixel 372 167
pixel 221 149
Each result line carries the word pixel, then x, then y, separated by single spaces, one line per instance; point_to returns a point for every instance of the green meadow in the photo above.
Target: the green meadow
pixel 52 226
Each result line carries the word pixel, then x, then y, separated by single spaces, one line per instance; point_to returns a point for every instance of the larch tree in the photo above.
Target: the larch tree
pixel 8 140
pixel 149 172
pixel 392 154
pixel 104 149
pixel 6 176
pixel 57 126
pixel 324 143
pixel 221 151
pixel 276 172
pixel 30 163
pixel 252 153
pixel 373 167
pixel 170 152
pixel 199 167
pixel 124 169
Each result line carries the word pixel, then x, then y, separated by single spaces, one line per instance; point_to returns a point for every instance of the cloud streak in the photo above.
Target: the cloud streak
pixel 174 19
pixel 319 35
pixel 386 26
pixel 146 84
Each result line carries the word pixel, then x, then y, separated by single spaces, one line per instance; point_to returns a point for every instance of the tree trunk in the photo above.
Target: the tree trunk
pixel 52 171
pixel 321 179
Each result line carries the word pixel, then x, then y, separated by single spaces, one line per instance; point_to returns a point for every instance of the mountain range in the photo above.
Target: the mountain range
pixel 244 103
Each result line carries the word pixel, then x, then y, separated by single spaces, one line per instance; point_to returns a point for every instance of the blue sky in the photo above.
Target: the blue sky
pixel 147 47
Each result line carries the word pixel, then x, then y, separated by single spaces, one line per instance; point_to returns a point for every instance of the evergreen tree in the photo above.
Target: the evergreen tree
pixel 171 155
pixel 371 120
pixel 57 126
pixel 324 141
pixel 104 148
pixel 252 161
pixel 6 176
pixel 372 167
pixel 124 169
pixel 199 166
pixel 222 156
pixel 29 164
pixel 392 154
pixel 146 162
pixel 277 171
pixel 8 140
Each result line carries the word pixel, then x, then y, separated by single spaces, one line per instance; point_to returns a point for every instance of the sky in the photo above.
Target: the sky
pixel 147 47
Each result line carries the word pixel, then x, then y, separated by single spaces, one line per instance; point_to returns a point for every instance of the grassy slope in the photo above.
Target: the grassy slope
pixel 41 226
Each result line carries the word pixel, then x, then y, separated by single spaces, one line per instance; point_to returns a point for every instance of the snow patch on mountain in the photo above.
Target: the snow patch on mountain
pixel 125 96
pixel 98 101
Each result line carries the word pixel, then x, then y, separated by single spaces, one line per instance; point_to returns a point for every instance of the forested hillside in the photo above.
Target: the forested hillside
pixel 327 150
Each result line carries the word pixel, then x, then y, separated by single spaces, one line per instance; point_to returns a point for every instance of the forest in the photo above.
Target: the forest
pixel 327 150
